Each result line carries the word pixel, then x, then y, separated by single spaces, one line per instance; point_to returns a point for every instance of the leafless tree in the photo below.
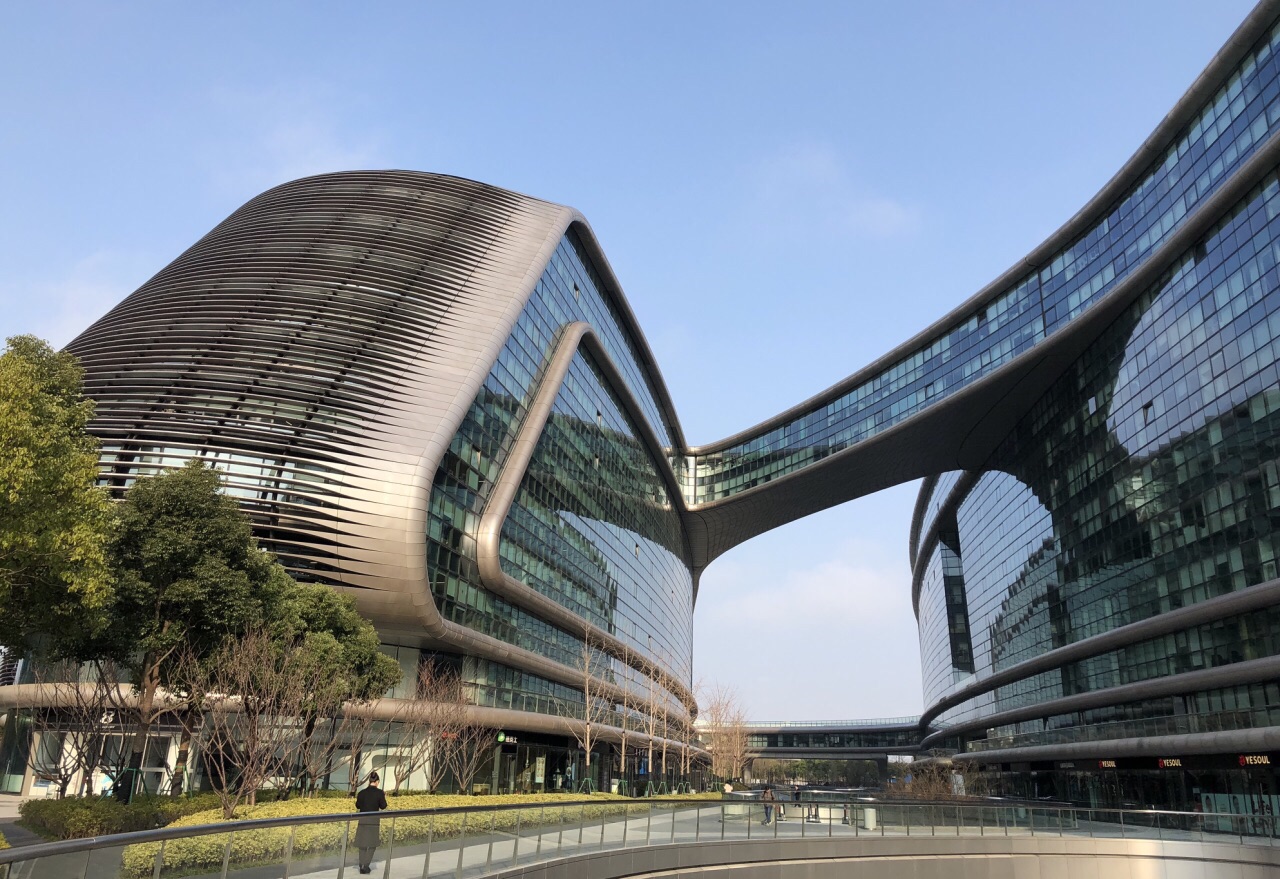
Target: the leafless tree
pixel 330 727
pixel 120 716
pixel 465 750
pixel 186 697
pixel 255 690
pixel 315 752
pixel 413 741
pixel 682 727
pixel 435 711
pixel 651 720
pixel 592 665
pixel 72 724
pixel 725 724
pixel 664 727
pixel 630 719
pixel 358 726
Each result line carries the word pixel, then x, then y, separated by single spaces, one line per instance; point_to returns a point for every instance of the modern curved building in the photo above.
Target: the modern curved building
pixel 428 393
pixel 1098 601
pixel 431 393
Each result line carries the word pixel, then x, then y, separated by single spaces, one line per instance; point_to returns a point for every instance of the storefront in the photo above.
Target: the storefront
pixel 533 763
pixel 1234 784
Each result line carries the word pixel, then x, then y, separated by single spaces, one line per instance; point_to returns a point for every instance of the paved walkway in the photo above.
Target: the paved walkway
pixel 486 852
pixel 16 835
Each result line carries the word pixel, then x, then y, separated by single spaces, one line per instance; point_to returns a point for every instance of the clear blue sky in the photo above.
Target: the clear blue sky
pixel 785 192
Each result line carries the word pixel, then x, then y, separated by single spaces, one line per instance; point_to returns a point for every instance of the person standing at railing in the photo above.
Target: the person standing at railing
pixel 371 799
pixel 767 799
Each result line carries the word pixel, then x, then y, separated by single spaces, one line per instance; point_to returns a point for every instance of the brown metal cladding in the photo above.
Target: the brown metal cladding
pixel 337 328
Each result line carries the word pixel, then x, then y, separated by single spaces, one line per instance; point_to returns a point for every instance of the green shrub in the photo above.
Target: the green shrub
pixel 77 817
pixel 4 843
pixel 267 846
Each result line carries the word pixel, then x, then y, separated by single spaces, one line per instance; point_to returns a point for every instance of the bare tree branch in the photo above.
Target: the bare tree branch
pixel 434 714
pixel 592 664
pixel 73 728
pixel 256 690
pixel 724 721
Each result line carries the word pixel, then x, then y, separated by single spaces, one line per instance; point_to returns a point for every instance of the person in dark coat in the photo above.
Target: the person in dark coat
pixel 371 799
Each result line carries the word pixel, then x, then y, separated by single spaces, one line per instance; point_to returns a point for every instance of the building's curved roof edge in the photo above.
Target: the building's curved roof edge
pixel 577 223
pixel 648 362
pixel 1210 79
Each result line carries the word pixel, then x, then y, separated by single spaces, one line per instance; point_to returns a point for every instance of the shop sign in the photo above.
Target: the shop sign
pixel 1169 762
pixel 1106 764
pixel 1066 766
pixel 1255 760
pixel 505 738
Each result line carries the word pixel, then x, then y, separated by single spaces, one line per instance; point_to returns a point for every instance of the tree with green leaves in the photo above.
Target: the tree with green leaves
pixel 339 648
pixel 55 580
pixel 188 574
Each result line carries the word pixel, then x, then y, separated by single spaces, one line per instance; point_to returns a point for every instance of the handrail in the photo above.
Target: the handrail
pixel 71 846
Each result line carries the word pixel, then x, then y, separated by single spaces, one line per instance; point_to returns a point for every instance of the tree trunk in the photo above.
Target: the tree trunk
pixel 354 781
pixel 188 721
pixel 146 703
pixel 300 774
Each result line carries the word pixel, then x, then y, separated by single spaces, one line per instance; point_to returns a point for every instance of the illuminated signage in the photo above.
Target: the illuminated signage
pixel 1106 764
pixel 1255 760
pixel 1170 762
pixel 507 738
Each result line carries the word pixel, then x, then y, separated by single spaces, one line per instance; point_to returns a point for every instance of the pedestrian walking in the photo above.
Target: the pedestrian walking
pixel 370 800
pixel 767 799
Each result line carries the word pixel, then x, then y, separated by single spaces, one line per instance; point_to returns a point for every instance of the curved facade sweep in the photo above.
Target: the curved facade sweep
pixel 946 399
pixel 364 355
pixel 431 393
pixel 1099 599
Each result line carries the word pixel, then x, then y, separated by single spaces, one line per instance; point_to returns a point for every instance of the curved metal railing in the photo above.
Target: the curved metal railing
pixel 469 842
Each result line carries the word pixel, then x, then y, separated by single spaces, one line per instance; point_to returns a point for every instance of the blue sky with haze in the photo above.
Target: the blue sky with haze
pixel 786 191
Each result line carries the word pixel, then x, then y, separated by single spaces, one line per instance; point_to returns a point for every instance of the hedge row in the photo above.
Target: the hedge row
pixel 252 847
pixel 79 817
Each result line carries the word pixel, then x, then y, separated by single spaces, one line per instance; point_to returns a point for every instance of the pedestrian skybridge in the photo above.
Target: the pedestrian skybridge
pixel 834 739
pixel 611 838
pixel 942 400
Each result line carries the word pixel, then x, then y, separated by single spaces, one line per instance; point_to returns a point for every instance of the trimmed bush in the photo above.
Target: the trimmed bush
pixel 77 817
pixel 4 843
pixel 252 847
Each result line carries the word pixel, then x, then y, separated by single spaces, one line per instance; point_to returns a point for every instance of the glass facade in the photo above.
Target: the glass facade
pixel 1146 480
pixel 888 739
pixel 1226 132
pixel 593 526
